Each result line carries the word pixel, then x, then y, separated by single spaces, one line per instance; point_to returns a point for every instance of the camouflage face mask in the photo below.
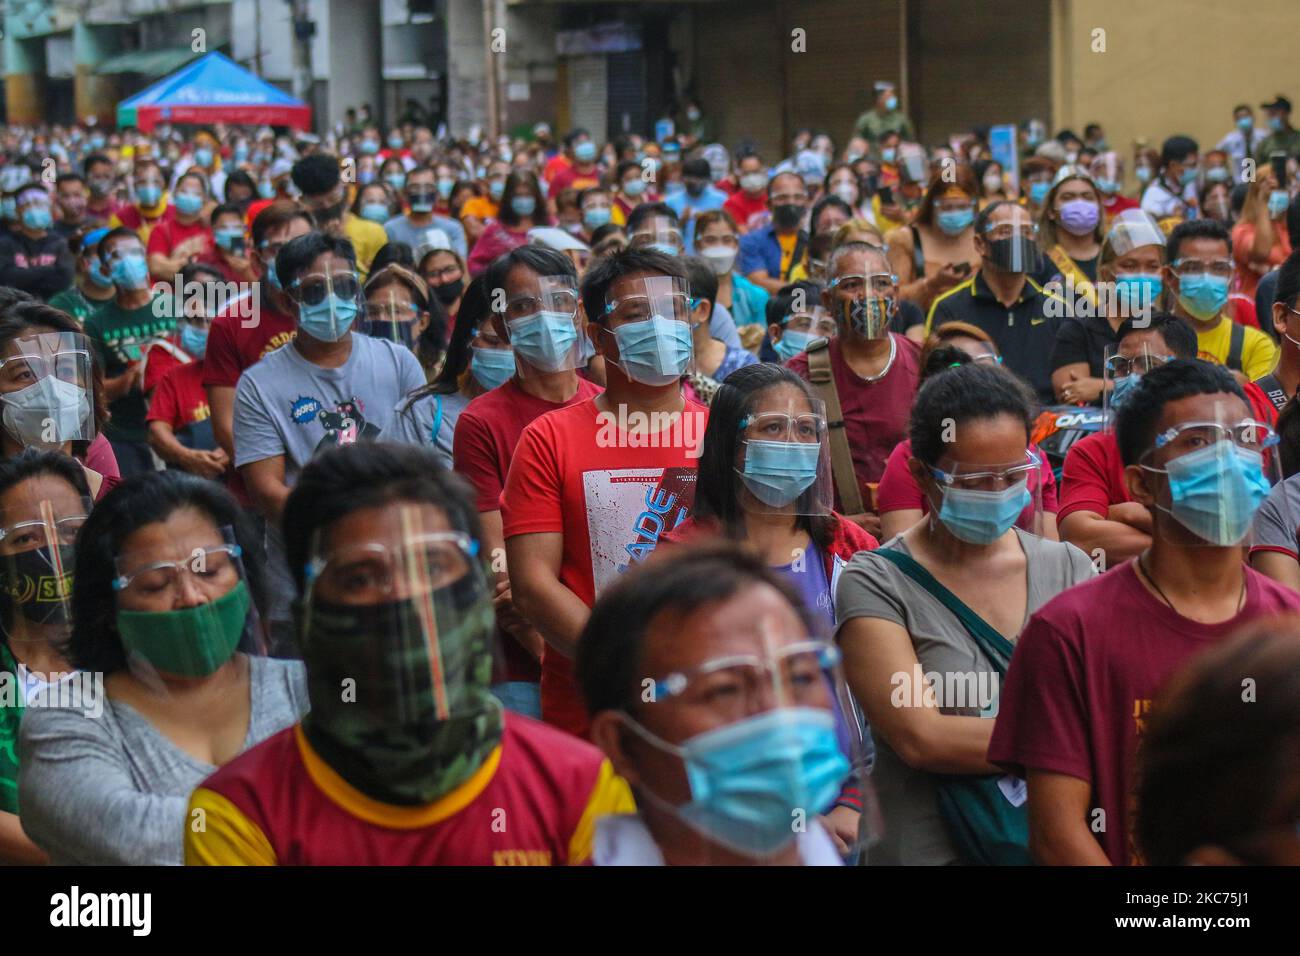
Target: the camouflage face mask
pixel 374 715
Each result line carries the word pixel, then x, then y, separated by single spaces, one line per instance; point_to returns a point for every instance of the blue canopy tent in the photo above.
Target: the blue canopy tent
pixel 214 89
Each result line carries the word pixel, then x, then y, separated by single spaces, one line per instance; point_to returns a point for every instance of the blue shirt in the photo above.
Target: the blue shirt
pixel 709 199
pixel 761 250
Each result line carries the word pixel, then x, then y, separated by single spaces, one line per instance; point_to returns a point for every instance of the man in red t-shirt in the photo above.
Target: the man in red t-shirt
pixel 750 199
pixel 584 172
pixel 1090 662
pixel 594 485
pixel 1096 513
pixel 240 334
pixel 538 294
pixel 875 371
pixel 180 421
pixel 186 235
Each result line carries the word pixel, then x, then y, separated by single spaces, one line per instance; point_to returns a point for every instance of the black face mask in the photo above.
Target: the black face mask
pixel 1016 254
pixel 332 213
pixel 449 292
pixel 787 216
pixel 29 585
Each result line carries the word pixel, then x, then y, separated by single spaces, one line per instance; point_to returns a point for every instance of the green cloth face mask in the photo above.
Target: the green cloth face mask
pixel 191 642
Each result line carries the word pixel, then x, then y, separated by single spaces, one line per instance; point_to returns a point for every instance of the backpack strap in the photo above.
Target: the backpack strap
pixel 995 647
pixel 1236 343
pixel 1272 387
pixel 823 383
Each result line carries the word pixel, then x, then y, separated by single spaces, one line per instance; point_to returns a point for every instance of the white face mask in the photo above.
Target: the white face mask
pixel 30 411
pixel 719 258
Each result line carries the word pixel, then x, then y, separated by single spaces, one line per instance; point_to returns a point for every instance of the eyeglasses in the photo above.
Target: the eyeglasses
pixel 1007 230
pixel 392 312
pixel 203 564
pixel 1214 267
pixel 372 573
pixel 1191 436
pixel 778 426
pixel 521 307
pixel 126 252
pixel 990 479
pixel 1117 366
pixel 72 365
pixel 28 535
pixel 855 286
pixel 313 289
pixel 446 273
pixel 733 684
pixel 822 325
pixel 639 308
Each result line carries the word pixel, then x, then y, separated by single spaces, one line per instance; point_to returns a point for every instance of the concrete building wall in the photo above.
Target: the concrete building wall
pixel 1170 67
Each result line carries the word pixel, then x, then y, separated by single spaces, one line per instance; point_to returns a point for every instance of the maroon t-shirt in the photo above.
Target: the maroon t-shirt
pixel 875 413
pixel 1083 677
pixel 483 444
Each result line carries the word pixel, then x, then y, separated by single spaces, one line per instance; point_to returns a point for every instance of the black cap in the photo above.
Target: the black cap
pixel 1280 102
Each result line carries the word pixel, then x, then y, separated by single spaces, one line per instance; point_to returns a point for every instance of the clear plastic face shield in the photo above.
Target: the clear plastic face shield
pixel 863 302
pixel 1123 367
pixel 979 502
pixel 1011 240
pixel 658 232
pixel 912 164
pixel 47 389
pixel 397 631
pixel 1134 250
pixel 783 462
pixel 38 530
pixel 545 325
pixel 1210 473
pixel 753 747
pixel 1107 172
pixel 184 603
pixel 801 326
pixel 328 303
pixel 393 314
pixel 650 321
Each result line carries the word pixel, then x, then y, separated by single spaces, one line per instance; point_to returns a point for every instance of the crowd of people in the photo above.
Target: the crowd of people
pixel 375 498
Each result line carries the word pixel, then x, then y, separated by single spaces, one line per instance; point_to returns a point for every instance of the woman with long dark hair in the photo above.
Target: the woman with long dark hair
pixel 522 207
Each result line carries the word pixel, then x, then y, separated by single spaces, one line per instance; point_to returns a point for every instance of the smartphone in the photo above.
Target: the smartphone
pixel 237 246
pixel 1278 159
pixel 887 196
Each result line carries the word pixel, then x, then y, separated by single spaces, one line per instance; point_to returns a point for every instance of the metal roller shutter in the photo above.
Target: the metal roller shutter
pixel 587 95
pixel 738 73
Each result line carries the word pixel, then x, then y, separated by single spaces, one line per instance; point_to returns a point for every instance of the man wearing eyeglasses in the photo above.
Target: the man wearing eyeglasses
pixel 768 255
pixel 1004 300
pixel 327 387
pixel 1198 274
pixel 1089 664
pixel 415 226
pixel 874 371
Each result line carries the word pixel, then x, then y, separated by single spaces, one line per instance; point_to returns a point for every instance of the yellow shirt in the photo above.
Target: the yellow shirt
pixel 367 239
pixel 1258 353
pixel 787 244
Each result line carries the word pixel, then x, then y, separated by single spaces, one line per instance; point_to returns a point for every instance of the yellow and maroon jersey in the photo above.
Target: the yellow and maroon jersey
pixel 534 801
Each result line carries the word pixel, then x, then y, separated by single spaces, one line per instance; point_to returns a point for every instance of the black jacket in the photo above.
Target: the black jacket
pixel 40 266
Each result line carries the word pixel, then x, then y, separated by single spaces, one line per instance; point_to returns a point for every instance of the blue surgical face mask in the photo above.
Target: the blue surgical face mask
pixel 1217 174
pixel 365 177
pixel 778 472
pixel 791 344
pixel 891 103
pixel 369 146
pixel 194 339
pixel 749 778
pixel 1275 122
pixel 225 237
pixel 596 217
pixel 492 367
pixel 396 180
pixel 981 517
pixel 667 248
pixel 1123 388
pixel 1215 493
pixel 266 189
pixel 496 189
pixel 1038 192
pixel 1137 293
pixel 9 208
pixel 394 142
pixel 887 154
pixel 37 217
pixel 545 340
pixel 95 270
pixel 445 186
pixel 328 320
pixel 271 277
pixel 523 205
pixel 585 152
pixel 188 204
pixel 1245 123
pixel 148 195
pixel 203 157
pixel 1108 186
pixel 1143 174
pixel 634 187
pixel 131 272
pixel 1278 200
pixel 655 351
pixel 241 154
pixel 375 212
pixel 1188 175
pixel 955 221
pixel 1203 295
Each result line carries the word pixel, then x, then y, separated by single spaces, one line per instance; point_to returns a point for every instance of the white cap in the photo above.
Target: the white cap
pixel 557 239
